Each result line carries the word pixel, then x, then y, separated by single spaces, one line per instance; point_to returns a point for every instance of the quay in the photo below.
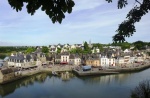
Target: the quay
pixel 96 71
pixel 80 72
pixel 40 69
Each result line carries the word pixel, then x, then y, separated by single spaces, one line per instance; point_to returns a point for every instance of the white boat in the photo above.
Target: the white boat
pixel 54 73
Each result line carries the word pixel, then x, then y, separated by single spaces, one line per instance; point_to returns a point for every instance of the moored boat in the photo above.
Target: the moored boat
pixel 54 73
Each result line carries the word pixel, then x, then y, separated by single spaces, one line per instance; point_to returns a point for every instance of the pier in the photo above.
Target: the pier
pixel 96 71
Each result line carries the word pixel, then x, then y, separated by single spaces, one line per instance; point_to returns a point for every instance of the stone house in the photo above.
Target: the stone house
pixel 20 60
pixel 74 59
pixel 119 61
pixel 93 62
pixel 57 59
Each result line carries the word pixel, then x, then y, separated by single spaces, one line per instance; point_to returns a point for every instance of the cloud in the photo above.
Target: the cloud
pixel 91 19
pixel 87 4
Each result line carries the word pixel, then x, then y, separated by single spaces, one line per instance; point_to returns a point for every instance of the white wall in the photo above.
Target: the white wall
pixel 64 58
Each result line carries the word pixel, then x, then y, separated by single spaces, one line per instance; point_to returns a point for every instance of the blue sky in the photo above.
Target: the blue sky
pixel 94 20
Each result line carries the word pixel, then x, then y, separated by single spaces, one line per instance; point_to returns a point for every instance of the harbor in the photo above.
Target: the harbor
pixel 77 70
pixel 108 71
pixel 45 85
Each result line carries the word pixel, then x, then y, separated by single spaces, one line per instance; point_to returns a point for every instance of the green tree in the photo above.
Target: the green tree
pixel 139 45
pixel 30 50
pixel 100 46
pixel 127 28
pixel 58 50
pixel 45 49
pixel 73 50
pixel 125 45
pixel 86 48
pixel 76 50
pixel 55 9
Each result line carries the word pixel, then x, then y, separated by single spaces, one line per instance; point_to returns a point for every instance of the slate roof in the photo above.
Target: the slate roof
pixel 72 56
pixel 65 53
pixel 53 49
pixel 58 56
pixel 17 57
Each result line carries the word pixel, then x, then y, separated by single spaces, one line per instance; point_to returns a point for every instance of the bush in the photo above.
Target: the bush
pixel 142 90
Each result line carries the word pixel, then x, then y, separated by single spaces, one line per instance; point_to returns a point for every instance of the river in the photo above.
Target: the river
pixel 48 86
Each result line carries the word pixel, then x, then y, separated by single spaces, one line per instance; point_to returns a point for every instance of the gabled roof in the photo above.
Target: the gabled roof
pixel 58 56
pixel 17 57
pixel 72 56
pixel 53 49
pixel 65 53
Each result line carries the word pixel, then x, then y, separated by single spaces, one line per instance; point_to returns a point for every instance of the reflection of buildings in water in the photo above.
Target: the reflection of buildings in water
pixel 41 78
pixel 11 87
pixel 106 79
pixel 6 89
pixel 66 76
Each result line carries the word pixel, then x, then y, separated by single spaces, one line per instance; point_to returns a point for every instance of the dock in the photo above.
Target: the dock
pixel 108 71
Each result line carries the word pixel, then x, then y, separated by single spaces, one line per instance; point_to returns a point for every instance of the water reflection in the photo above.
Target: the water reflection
pixel 28 81
pixel 106 79
pixel 11 87
pixel 76 87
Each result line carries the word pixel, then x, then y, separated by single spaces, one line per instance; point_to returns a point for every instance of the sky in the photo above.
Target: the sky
pixel 90 20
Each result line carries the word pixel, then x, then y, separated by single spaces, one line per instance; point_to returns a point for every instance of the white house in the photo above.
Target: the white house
pixel 132 59
pixel 95 50
pixel 65 58
pixel 104 61
pixel 53 50
pixel 112 61
pixel 64 50
pixel 120 61
pixel 74 60
pixel 127 59
pixel 72 47
pixel 127 51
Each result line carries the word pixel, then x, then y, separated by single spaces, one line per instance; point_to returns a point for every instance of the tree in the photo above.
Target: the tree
pixel 123 45
pixel 58 50
pixel 76 50
pixel 127 28
pixel 45 49
pixel 86 48
pixel 55 9
pixel 142 90
pixel 30 50
pixel 98 45
pixel 140 45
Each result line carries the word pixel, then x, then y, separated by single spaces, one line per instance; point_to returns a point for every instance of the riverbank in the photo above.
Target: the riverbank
pixel 40 69
pixel 96 71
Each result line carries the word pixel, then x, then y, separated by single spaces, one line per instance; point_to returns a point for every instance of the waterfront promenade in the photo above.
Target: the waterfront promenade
pixel 110 70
